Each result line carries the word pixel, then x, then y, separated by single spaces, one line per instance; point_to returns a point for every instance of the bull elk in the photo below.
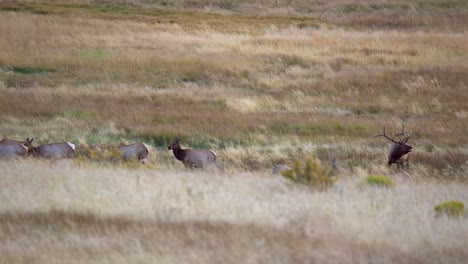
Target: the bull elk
pixel 399 151
pixel 11 148
pixel 135 150
pixel 194 158
pixel 65 150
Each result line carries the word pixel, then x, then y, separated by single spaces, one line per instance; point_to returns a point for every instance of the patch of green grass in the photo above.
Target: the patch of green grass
pixel 93 53
pixel 109 8
pixel 23 7
pixel 350 8
pixel 10 8
pixel 380 181
pixel 450 4
pixel 453 209
pixel 156 140
pixel 94 136
pixel 75 114
pixel 31 70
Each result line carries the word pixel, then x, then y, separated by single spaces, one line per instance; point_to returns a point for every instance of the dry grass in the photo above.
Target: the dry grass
pixel 56 211
pixel 259 82
pixel 450 15
pixel 76 74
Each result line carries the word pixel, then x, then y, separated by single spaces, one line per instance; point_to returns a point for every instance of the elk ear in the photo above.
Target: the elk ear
pixel 30 141
pixel 177 140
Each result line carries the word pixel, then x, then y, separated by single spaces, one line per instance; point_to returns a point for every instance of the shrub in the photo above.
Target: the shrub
pixel 379 180
pixel 311 173
pixel 451 209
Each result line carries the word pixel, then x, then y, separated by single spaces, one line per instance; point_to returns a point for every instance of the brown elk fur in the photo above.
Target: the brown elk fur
pixel 399 151
pixel 136 150
pixel 192 158
pixel 12 148
pixel 54 151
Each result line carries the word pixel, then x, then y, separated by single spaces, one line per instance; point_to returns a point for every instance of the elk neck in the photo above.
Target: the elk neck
pixel 179 153
pixel 33 151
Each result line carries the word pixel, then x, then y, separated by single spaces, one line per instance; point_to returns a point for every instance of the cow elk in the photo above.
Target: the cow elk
pixel 136 150
pixel 65 150
pixel 399 151
pixel 194 158
pixel 12 148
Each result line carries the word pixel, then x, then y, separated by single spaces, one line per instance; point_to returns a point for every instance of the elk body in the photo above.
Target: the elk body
pixel 194 158
pixel 65 150
pixel 399 151
pixel 12 148
pixel 136 150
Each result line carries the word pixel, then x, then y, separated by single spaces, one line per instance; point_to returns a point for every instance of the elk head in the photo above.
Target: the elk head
pixel 28 144
pixel 174 144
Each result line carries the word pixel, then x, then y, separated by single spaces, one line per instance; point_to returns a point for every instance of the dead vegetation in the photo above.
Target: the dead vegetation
pixel 78 75
pixel 56 211
pixel 259 82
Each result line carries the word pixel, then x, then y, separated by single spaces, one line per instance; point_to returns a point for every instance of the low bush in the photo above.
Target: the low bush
pixel 453 209
pixel 380 180
pixel 312 173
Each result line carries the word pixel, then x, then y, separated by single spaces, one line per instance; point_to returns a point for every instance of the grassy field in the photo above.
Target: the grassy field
pixel 96 214
pixel 259 82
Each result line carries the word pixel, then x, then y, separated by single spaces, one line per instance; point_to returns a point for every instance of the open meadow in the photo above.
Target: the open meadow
pixel 259 82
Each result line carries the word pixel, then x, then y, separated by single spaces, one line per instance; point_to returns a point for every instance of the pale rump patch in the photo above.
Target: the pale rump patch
pixel 214 153
pixel 26 149
pixel 71 145
pixel 147 147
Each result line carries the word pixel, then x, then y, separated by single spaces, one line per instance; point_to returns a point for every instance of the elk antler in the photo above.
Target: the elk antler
pixel 406 136
pixel 385 135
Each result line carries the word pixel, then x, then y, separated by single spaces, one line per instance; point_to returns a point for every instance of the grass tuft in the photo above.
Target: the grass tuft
pixel 454 209
pixel 31 70
pixel 380 181
pixel 311 173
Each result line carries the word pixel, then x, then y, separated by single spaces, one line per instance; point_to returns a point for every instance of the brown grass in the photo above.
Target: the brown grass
pixel 73 73
pixel 259 82
pixel 55 211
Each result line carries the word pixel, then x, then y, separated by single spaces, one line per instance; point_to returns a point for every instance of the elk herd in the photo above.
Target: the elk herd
pixel 191 158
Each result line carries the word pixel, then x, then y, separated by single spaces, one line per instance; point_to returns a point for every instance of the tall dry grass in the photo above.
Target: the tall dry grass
pixel 75 74
pixel 414 15
pixel 51 211
pixel 259 82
